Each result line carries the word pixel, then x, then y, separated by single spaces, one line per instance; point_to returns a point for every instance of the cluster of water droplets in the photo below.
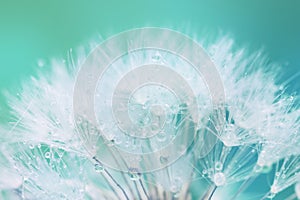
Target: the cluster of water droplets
pixel 260 134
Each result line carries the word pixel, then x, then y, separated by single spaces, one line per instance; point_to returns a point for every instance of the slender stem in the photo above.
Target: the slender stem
pixel 144 190
pixel 137 190
pixel 212 193
pixel 118 185
pixel 112 178
pixel 122 174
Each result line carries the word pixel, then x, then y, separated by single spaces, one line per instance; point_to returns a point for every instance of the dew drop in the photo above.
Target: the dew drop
pixel 47 154
pixel 219 179
pixel 163 159
pixel 99 168
pixel 218 166
pixel 161 136
pixel 263 169
pixel 118 140
pixel 110 136
pixel 31 146
pixel 274 190
pixel 176 185
pixel 156 57
pixel 281 87
pixel 134 174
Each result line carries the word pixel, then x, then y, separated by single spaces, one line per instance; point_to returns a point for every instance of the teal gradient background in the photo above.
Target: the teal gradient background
pixel 30 30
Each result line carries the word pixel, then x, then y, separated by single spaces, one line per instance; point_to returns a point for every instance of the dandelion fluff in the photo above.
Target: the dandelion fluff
pixel 47 157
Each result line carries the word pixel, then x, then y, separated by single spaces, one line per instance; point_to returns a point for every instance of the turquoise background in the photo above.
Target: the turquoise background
pixel 30 30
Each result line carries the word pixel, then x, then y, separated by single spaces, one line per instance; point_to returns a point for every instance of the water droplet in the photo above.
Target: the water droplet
pixel 230 139
pixel 118 140
pixel 218 166
pixel 176 185
pixel 134 174
pixel 31 146
pixel 161 136
pixel 263 169
pixel 281 87
pixel 274 189
pixel 219 179
pixel 47 154
pixel 110 136
pixel 99 168
pixel 156 57
pixel 163 159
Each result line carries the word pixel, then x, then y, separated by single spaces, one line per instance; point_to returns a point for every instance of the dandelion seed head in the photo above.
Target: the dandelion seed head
pixel 49 153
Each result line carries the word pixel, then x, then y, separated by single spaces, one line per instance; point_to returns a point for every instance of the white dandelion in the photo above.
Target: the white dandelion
pixel 48 153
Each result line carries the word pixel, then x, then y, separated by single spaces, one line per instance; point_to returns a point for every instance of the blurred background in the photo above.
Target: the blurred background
pixel 33 30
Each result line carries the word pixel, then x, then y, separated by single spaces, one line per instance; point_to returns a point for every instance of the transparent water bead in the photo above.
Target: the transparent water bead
pixel 31 146
pixel 176 185
pixel 99 168
pixel 263 169
pixel 156 57
pixel 161 136
pixel 134 174
pixel 163 159
pixel 219 179
pixel 274 189
pixel 47 154
pixel 218 166
pixel 230 138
